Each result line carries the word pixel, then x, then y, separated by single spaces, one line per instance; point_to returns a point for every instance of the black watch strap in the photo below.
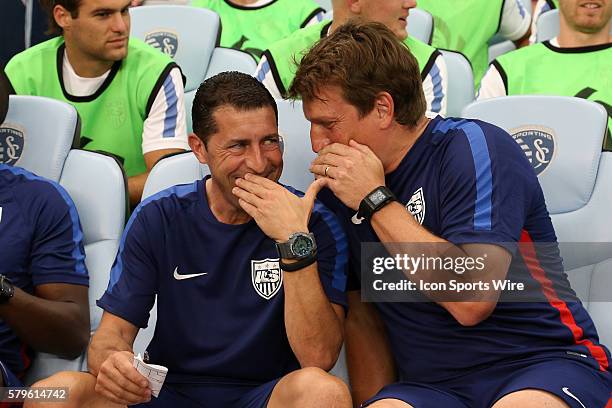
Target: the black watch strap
pixel 7 290
pixel 376 200
pixel 300 264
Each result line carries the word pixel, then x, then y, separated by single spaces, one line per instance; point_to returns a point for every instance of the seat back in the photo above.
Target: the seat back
pixel 44 145
pixel 190 35
pixel 298 153
pixel 38 133
pixel 420 24
pixel 460 82
pixel 562 137
pixel 548 25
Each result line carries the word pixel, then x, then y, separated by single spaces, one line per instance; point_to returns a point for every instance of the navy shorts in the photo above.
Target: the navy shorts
pixel 212 396
pixel 580 385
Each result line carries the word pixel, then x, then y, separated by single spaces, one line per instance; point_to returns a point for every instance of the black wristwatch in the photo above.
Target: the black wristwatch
pixel 300 246
pixel 375 201
pixel 7 290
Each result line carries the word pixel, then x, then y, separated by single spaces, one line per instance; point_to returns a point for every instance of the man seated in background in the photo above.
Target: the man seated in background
pixel 576 63
pixel 249 277
pixel 43 278
pixel 278 65
pixel 467 27
pixel 129 95
pixel 253 25
pixel 451 189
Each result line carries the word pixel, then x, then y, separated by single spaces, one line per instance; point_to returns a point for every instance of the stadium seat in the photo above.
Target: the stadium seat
pixel 563 138
pixel 460 82
pixel 548 26
pixel 190 35
pixel 420 24
pixel 500 48
pixel 96 184
pixel 326 4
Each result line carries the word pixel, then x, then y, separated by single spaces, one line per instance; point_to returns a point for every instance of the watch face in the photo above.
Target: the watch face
pixel 377 197
pixel 302 246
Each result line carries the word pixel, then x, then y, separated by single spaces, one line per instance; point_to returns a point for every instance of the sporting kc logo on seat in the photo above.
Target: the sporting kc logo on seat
pixel 12 141
pixel 538 144
pixel 165 41
pixel 266 277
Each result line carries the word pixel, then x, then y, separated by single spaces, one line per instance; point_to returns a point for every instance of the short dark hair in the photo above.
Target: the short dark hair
pixel 241 91
pixel 364 59
pixel 48 5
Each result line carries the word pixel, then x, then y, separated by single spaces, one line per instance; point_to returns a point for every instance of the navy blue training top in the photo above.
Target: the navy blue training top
pixel 468 181
pixel 41 242
pixel 225 322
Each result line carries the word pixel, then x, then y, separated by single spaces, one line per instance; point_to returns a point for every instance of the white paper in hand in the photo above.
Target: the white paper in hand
pixel 156 374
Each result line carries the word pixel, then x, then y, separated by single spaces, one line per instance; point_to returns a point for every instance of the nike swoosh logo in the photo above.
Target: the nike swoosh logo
pixel 567 392
pixel 356 220
pixel 188 276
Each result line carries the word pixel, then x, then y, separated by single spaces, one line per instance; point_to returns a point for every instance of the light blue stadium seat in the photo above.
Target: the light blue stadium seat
pixel 49 131
pixel 190 35
pixel 420 24
pixel 548 26
pixel 326 4
pixel 460 82
pixel 577 184
pixel 500 48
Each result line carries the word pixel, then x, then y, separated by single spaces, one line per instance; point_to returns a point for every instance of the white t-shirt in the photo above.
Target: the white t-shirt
pixel 155 134
pixel 515 20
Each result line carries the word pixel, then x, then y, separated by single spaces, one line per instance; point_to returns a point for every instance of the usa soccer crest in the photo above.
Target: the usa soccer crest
pixel 165 41
pixel 12 141
pixel 538 144
pixel 416 205
pixel 267 277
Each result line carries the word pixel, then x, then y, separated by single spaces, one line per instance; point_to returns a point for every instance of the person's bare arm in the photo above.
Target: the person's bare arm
pixel 368 356
pixel 136 183
pixel 110 357
pixel 353 171
pixel 313 324
pixel 53 320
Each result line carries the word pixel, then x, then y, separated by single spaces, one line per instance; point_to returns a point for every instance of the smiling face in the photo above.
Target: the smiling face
pixel 245 141
pixel 100 31
pixel 586 16
pixel 392 13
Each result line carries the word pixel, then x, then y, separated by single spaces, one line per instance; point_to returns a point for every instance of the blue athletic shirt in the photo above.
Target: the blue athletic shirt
pixel 475 185
pixel 41 242
pixel 225 324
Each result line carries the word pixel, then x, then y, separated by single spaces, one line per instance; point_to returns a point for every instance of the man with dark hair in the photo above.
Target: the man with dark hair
pixel 43 277
pixel 461 189
pixel 128 95
pixel 277 67
pixel 268 295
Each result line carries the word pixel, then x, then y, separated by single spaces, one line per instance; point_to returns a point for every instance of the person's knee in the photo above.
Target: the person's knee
pixel 79 388
pixel 314 387
pixel 530 398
